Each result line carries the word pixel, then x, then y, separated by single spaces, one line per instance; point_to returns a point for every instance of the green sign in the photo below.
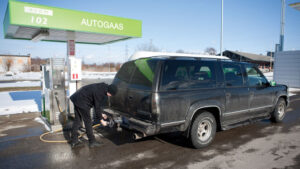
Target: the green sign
pixel 32 15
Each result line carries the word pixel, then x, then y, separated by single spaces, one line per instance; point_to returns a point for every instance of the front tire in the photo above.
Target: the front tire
pixel 279 112
pixel 203 130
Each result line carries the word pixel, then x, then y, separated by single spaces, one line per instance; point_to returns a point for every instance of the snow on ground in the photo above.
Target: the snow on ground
pixel 292 91
pixel 39 120
pixel 22 76
pixel 269 75
pixel 32 79
pixel 98 75
pixel 20 102
pixel 37 76
pixel 21 84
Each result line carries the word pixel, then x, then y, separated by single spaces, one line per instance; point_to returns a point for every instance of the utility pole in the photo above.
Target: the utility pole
pixel 282 22
pixel 221 39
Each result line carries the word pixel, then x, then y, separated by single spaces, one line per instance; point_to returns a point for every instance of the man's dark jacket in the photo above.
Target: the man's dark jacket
pixel 89 96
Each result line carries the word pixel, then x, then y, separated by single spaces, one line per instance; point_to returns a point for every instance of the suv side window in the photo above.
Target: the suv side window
pixel 233 74
pixel 184 74
pixel 255 77
pixel 125 72
pixel 143 75
pixel 203 75
pixel 175 75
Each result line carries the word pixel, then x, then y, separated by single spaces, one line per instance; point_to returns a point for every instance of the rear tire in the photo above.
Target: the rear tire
pixel 203 130
pixel 280 110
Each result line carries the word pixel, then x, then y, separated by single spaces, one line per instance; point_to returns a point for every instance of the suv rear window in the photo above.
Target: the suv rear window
pixel 138 73
pixel 124 74
pixel 144 73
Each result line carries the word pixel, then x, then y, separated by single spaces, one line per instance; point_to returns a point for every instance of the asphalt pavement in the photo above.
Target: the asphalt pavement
pixel 260 145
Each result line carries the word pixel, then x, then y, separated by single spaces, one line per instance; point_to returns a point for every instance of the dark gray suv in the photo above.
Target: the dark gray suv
pixel 194 95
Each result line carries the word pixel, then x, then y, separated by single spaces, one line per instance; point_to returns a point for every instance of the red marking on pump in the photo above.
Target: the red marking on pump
pixel 73 75
pixel 76 75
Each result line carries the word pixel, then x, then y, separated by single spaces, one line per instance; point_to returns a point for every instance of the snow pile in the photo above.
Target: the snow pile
pixel 269 75
pixel 293 91
pixel 21 84
pixel 20 102
pixel 39 120
pixel 22 76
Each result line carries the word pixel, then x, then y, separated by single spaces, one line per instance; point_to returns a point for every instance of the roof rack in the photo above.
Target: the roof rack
pixel 146 54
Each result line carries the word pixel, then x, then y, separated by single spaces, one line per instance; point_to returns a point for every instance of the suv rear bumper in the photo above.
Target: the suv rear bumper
pixel 132 123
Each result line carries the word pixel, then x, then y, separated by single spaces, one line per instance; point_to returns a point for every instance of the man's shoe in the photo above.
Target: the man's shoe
pixel 76 144
pixel 95 144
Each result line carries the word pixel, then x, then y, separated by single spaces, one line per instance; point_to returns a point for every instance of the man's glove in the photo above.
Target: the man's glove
pixel 103 122
pixel 110 123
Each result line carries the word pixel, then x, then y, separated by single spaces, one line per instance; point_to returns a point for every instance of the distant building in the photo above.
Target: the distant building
pixel 15 63
pixel 264 62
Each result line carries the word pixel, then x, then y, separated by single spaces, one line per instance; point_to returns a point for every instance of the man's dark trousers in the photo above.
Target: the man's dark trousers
pixel 82 114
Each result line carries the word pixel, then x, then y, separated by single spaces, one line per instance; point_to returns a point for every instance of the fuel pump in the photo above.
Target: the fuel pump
pixel 54 93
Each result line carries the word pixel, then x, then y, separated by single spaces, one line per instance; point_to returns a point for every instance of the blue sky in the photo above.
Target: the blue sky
pixel 191 25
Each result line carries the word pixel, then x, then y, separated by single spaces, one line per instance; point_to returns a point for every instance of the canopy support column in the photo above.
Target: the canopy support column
pixel 72 87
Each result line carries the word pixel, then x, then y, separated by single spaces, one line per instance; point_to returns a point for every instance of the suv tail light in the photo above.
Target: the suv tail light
pixel 155 107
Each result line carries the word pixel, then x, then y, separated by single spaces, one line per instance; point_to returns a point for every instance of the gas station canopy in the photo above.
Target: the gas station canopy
pixel 38 22
pixel 296 6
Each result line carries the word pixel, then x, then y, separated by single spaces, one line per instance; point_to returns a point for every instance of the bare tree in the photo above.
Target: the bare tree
pixel 147 47
pixel 104 67
pixel 26 68
pixel 211 51
pixel 36 63
pixel 8 64
pixel 118 66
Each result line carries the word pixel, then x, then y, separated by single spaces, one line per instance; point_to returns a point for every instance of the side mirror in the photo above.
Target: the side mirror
pixel 272 83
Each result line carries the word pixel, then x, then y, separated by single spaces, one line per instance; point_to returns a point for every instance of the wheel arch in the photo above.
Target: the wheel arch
pixel 213 109
pixel 285 98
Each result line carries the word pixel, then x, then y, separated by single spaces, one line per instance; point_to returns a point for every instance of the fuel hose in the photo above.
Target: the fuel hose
pixel 59 141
